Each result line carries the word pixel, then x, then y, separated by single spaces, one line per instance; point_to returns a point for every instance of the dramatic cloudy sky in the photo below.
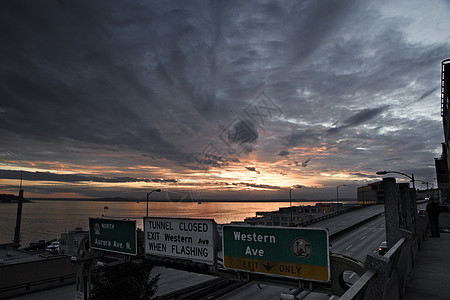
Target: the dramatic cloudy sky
pixel 221 99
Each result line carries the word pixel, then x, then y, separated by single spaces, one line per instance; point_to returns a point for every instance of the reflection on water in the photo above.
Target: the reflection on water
pixel 47 219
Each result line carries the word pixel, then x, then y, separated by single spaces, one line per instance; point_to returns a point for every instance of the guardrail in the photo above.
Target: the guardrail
pixel 212 289
pixel 40 273
pixel 327 216
pixel 28 286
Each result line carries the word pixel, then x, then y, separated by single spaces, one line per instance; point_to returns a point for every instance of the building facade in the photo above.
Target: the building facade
pixel 71 240
pixel 373 193
pixel 442 164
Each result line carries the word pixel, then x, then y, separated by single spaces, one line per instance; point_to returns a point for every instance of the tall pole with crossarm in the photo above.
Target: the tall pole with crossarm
pixel 410 177
pixel 148 194
pixel 290 199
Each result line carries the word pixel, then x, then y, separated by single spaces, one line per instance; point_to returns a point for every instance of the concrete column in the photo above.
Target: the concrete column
pixel 376 288
pixel 405 261
pixel 391 211
pixel 408 198
pixel 400 213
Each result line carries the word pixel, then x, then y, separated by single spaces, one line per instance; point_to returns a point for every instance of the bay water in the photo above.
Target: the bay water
pixel 47 219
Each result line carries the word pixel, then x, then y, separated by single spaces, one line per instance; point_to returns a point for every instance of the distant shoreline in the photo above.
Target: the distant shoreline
pixel 190 201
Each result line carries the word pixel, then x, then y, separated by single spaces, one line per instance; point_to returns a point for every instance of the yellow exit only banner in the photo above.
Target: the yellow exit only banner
pixel 318 273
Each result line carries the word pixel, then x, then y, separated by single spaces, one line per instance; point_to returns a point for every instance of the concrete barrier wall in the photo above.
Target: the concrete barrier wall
pixel 28 276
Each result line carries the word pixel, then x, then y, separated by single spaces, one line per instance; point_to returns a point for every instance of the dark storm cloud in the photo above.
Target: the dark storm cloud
pixel 303 137
pixel 298 186
pixel 104 75
pixel 252 169
pixel 64 80
pixel 159 80
pixel 427 93
pixel 283 153
pixel 364 175
pixel 259 186
pixel 306 162
pixel 311 31
pixel 303 164
pixel 242 133
pixel 47 176
pixel 358 119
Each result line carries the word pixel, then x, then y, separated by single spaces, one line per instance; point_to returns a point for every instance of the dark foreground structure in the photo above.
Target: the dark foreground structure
pixel 442 164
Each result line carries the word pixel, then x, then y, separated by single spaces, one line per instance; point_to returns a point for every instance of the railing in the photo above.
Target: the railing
pixel 357 289
pixel 327 216
pixel 28 286
pixel 210 289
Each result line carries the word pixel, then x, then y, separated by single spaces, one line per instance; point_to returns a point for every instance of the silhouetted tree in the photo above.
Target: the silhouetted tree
pixel 126 281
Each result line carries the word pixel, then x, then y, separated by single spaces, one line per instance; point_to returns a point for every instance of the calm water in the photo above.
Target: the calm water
pixel 47 219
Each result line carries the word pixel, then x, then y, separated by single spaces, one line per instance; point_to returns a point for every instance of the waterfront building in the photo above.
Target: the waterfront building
pixel 293 215
pixel 428 193
pixel 373 193
pixel 71 240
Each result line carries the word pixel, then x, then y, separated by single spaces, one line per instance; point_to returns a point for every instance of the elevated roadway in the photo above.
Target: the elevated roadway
pixel 366 234
pixel 357 244
pixel 363 238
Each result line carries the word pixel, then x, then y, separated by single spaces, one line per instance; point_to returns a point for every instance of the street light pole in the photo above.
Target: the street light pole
pixel 290 197
pixel 148 194
pixel 290 205
pixel 410 177
pixel 428 190
pixel 290 200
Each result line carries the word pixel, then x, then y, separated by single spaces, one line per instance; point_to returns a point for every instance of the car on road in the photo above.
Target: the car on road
pixel 421 212
pixel 383 248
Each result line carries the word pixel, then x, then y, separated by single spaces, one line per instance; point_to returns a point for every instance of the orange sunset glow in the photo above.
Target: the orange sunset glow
pixel 221 101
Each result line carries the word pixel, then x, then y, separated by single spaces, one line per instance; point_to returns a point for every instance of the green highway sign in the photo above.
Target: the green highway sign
pixel 281 251
pixel 113 235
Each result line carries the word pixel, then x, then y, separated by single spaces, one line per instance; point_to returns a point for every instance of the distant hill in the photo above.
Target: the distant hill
pixel 9 198
pixel 122 199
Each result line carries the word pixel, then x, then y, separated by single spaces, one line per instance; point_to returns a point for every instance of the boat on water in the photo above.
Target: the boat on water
pixel 53 247
pixel 41 244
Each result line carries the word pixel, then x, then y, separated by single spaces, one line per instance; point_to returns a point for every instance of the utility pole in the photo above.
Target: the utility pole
pixel 19 214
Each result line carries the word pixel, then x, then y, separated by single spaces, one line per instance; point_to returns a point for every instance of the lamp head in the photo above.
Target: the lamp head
pixel 381 172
